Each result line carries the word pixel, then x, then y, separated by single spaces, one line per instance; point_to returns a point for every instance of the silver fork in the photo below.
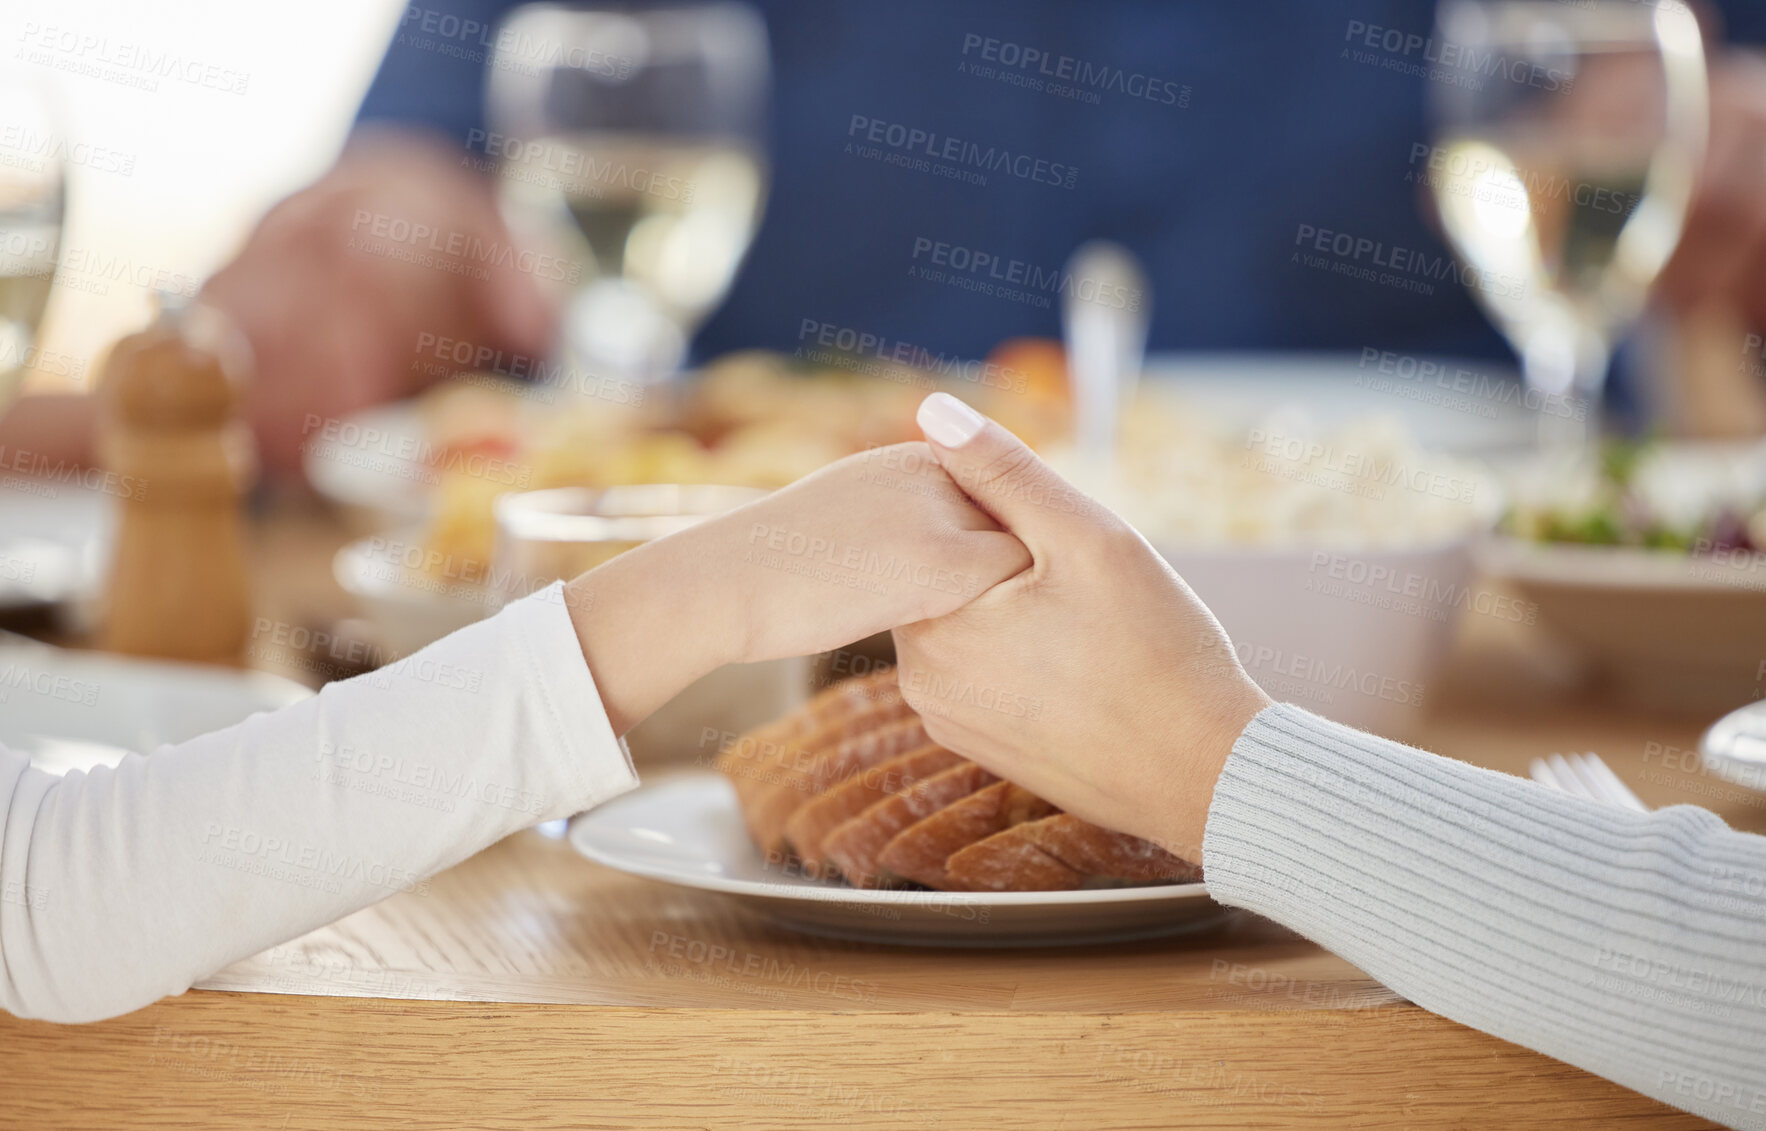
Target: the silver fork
pixel 1585 775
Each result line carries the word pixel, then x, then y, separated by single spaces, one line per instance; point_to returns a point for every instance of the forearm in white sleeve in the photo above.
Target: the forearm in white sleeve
pixel 1632 945
pixel 126 884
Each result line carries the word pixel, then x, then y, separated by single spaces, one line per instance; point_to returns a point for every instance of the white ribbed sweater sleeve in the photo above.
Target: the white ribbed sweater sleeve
pixel 122 885
pixel 1632 945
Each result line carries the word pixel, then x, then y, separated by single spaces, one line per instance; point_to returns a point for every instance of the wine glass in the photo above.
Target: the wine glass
pixel 637 138
pixel 1569 139
pixel 33 151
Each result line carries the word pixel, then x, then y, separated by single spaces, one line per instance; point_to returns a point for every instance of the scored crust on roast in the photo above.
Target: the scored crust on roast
pixel 854 847
pixel 814 820
pixel 1008 862
pixel 820 768
pixel 1095 851
pixel 1062 852
pixel 919 852
pixel 783 754
pixel 851 782
pixel 849 699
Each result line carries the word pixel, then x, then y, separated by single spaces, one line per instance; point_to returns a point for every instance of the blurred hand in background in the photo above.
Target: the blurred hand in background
pixel 1722 254
pixel 345 287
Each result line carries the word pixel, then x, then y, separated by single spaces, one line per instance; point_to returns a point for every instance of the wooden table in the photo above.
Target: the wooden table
pixel 529 988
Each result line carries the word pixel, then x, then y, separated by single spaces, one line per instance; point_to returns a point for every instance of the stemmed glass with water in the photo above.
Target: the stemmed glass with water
pixel 637 138
pixel 1569 140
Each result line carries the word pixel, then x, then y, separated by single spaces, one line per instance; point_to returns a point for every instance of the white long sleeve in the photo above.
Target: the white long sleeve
pixel 1632 945
pixel 122 885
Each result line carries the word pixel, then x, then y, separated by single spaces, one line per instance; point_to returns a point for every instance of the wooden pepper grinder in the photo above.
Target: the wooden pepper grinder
pixel 180 462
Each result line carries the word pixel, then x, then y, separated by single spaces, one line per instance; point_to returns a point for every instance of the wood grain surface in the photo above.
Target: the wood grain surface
pixel 530 988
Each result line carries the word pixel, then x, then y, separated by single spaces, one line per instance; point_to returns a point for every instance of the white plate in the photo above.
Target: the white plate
pixel 75 710
pixel 375 463
pixel 54 541
pixel 687 830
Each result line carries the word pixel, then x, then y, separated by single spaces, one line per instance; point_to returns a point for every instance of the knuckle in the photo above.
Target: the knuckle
pixel 1007 472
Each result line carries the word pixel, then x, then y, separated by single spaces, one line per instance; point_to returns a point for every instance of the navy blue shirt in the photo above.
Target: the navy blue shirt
pixel 935 163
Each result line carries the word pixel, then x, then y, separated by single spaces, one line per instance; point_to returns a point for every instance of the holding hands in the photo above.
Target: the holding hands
pixel 1038 634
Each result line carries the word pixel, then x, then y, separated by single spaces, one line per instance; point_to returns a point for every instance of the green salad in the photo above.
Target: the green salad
pixel 1645 494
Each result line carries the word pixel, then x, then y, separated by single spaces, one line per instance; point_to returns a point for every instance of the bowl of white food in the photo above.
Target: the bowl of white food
pixel 1337 559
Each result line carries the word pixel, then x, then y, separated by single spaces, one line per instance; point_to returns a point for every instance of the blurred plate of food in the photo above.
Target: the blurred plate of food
pixel 751 419
pixel 54 541
pixel 687 829
pixel 75 710
pixel 1649 559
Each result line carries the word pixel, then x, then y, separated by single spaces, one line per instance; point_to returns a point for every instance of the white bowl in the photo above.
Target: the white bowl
pixel 1354 635
pixel 1661 628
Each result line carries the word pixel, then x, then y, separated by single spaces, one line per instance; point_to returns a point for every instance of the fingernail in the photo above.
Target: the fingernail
pixel 948 421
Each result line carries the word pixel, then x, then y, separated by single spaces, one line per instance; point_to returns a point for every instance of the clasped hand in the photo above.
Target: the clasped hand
pixel 1037 633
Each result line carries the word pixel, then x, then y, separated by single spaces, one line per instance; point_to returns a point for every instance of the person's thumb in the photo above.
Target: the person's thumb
pixel 998 470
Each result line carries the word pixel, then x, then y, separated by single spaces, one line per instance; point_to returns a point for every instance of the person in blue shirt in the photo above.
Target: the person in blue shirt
pixel 1215 138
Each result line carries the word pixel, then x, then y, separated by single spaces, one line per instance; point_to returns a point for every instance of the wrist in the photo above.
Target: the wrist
pixel 1212 738
pixel 650 622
